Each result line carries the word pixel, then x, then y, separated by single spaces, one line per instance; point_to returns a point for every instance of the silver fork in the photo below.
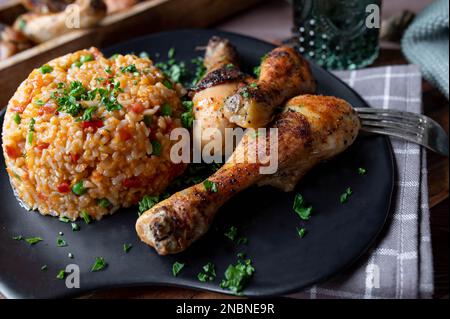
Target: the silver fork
pixel 416 128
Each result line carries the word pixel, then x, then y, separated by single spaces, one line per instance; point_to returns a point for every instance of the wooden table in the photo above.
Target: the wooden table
pixel 272 22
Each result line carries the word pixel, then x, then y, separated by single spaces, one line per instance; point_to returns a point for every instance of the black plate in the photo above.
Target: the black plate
pixel 337 234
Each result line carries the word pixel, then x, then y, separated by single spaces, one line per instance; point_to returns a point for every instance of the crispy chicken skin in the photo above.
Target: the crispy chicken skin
pixel 220 82
pixel 310 129
pixel 43 27
pixel 284 74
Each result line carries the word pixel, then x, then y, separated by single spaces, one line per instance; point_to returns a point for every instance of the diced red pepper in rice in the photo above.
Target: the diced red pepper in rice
pixel 18 108
pixel 42 146
pixel 13 151
pixel 63 188
pixel 131 182
pixel 94 124
pixel 46 109
pixel 125 133
pixel 137 108
pixel 74 157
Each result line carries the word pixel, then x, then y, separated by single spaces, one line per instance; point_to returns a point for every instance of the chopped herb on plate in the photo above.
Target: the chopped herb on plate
pixel 362 171
pixel 99 264
pixel 232 233
pixel 208 273
pixel 346 195
pixel 147 202
pixel 75 227
pixel 61 242
pixel 19 237
pixel 238 275
pixel 61 274
pixel 44 267
pixel 127 247
pixel 84 214
pixel 33 240
pixel 64 219
pixel 302 210
pixel 176 268
pixel 301 232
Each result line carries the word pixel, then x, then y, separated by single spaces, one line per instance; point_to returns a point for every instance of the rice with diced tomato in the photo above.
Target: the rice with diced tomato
pixel 86 135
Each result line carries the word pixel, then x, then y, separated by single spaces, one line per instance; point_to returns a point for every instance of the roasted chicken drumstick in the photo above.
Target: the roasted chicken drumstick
pixel 284 74
pixel 221 81
pixel 310 129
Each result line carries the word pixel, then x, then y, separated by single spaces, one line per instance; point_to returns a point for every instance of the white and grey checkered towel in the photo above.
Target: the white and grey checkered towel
pixel 400 264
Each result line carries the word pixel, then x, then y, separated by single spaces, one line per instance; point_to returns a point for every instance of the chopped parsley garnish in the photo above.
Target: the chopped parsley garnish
pixel 61 242
pixel 61 274
pixel 33 240
pixel 44 267
pixel 147 202
pixel 232 233
pixel 166 109
pixel 208 273
pixel 303 211
pixel 39 102
pixel 362 171
pixel 32 122
pixel 253 85
pixel 86 58
pixel 200 69
pixel 301 232
pixel 346 195
pixel 167 84
pixel 108 69
pixel 171 53
pixel 156 145
pixel 64 219
pixel 176 268
pixel 127 247
pixel 87 115
pixel 19 237
pixel 17 118
pixel 257 71
pixel 78 188
pixel 244 92
pixel 237 276
pixel 210 186
pixel 187 118
pixel 45 69
pixel 130 68
pixel 84 214
pixel 104 202
pixel 31 131
pixel 99 264
pixel 74 227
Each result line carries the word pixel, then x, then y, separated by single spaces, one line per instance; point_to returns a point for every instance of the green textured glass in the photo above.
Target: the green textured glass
pixel 337 34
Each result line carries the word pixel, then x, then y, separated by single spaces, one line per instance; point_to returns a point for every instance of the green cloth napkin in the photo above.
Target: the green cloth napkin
pixel 426 43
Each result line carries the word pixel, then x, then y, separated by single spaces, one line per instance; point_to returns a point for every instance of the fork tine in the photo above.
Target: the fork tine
pixel 413 127
pixel 395 125
pixel 383 113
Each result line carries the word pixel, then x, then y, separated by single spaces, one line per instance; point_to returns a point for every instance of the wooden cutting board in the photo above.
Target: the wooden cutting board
pixel 145 17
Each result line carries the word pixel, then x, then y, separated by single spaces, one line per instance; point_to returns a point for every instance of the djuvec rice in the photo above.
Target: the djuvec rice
pixel 70 148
